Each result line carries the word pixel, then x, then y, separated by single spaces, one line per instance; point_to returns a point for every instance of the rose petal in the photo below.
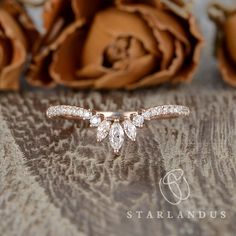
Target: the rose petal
pixel 164 75
pixel 230 36
pixel 109 24
pixel 86 9
pixel 165 43
pixel 136 70
pixel 57 15
pixel 136 49
pixel 165 40
pixel 152 3
pixel 5 51
pixel 65 60
pixel 2 58
pixel 11 28
pixel 52 11
pixel 18 12
pixel 191 65
pixel 163 20
pixel 192 40
pixel 92 71
pixel 178 7
pixel 38 74
pixel 9 77
pixel 227 67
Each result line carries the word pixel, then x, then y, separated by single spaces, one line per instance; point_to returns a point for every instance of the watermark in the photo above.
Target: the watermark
pixel 148 214
pixel 174 187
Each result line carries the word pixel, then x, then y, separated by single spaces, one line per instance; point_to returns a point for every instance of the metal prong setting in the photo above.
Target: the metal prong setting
pixel 117 124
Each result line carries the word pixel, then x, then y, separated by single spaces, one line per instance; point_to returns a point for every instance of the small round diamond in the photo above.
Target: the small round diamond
pixel 130 129
pixel 103 130
pixel 95 121
pixel 138 120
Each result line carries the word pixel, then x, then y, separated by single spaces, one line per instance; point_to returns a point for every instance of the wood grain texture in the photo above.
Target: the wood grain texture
pixel 56 180
pixel 92 189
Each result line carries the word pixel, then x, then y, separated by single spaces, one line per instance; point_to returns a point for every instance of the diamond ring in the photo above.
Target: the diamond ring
pixel 117 124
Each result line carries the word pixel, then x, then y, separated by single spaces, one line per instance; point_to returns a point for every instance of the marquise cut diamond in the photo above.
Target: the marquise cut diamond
pixel 116 136
pixel 103 130
pixel 130 129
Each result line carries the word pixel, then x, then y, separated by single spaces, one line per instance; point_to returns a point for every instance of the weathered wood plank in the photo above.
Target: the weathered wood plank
pixel 93 189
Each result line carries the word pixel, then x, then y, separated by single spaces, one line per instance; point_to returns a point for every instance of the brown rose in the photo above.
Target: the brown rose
pixel 226 41
pixel 17 34
pixel 116 44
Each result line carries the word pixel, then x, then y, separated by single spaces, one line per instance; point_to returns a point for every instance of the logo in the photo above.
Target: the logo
pixel 174 187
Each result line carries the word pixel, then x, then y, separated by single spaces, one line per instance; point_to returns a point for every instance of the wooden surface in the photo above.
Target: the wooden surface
pixel 55 180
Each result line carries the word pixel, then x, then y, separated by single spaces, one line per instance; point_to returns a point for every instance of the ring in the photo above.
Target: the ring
pixel 117 124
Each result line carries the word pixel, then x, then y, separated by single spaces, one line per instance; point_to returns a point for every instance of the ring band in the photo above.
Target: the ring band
pixel 117 124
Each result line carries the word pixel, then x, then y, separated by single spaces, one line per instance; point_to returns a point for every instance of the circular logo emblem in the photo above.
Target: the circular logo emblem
pixel 174 187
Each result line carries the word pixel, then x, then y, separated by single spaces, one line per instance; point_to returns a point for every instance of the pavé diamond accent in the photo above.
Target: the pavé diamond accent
pixel 147 114
pixel 87 114
pixel 72 111
pixel 165 111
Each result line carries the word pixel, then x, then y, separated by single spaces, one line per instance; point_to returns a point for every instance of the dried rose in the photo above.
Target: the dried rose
pixel 116 44
pixel 226 41
pixel 17 34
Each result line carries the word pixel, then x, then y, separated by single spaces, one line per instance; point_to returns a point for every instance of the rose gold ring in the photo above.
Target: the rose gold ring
pixel 117 124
